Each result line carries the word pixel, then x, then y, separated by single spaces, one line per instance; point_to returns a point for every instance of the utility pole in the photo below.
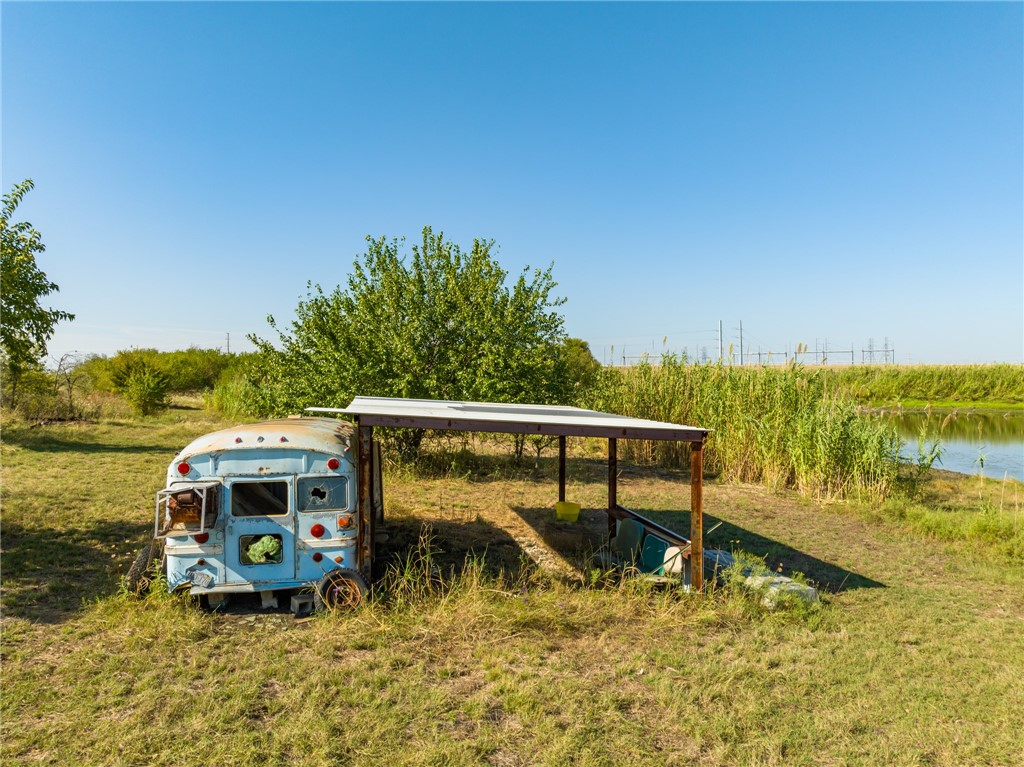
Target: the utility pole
pixel 229 343
pixel 721 348
pixel 741 343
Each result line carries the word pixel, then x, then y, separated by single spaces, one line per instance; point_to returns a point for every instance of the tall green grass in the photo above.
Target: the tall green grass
pixel 1003 383
pixel 781 428
pixel 230 396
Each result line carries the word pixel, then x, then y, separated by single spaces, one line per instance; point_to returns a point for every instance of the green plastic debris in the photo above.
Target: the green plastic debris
pixel 265 549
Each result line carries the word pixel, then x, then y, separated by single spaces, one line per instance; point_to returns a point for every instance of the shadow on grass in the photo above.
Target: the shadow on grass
pixel 49 444
pixel 591 531
pixel 453 541
pixel 48 574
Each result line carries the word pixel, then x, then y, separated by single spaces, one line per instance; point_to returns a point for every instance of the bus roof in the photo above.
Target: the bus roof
pixel 326 435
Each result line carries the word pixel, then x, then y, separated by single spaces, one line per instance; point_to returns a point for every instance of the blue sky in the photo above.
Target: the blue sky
pixel 852 172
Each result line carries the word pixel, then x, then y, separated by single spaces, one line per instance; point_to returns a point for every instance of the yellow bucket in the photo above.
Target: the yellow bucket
pixel 567 511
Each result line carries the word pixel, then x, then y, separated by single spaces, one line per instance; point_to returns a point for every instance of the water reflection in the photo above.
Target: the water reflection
pixel 991 443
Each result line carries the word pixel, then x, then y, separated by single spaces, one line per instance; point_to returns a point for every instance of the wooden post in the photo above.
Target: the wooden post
pixel 561 467
pixel 364 475
pixel 696 516
pixel 613 475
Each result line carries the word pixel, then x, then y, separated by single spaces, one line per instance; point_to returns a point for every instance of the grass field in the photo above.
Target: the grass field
pixel 915 657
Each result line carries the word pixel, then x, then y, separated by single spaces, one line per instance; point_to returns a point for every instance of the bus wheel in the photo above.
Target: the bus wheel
pixel 339 590
pixel 140 574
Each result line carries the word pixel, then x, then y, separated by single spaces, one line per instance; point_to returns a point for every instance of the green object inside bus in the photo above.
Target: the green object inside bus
pixel 266 549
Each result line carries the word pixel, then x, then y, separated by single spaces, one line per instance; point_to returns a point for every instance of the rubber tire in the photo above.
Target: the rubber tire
pixel 140 574
pixel 340 589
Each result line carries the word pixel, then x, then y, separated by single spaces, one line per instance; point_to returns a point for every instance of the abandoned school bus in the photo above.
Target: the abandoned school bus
pixel 295 503
pixel 266 507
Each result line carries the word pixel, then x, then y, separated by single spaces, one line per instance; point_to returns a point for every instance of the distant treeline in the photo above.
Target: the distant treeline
pixel 136 380
pixel 188 370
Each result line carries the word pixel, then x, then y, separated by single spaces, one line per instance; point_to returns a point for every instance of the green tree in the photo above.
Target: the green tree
pixel 25 326
pixel 136 378
pixel 441 323
pixel 575 375
pixel 579 370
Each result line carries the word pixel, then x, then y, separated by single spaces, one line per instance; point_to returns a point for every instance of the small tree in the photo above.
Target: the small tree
pixel 25 326
pixel 440 323
pixel 139 382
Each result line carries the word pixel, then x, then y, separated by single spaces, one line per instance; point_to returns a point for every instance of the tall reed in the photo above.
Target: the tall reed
pixel 931 383
pixel 777 427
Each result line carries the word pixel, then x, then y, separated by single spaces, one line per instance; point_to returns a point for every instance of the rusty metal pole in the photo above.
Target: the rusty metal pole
pixel 613 475
pixel 561 467
pixel 364 472
pixel 696 516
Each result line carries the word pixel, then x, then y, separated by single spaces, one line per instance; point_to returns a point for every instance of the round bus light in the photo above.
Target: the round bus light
pixel 338 560
pixel 200 562
pixel 333 463
pixel 317 556
pixel 184 468
pixel 201 537
pixel 344 522
pixel 317 530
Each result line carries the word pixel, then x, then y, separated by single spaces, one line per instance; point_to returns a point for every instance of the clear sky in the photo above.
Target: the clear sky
pixel 852 172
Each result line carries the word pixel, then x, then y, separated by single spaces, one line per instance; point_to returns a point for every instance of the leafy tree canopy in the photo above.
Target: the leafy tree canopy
pixel 579 370
pixel 25 326
pixel 439 323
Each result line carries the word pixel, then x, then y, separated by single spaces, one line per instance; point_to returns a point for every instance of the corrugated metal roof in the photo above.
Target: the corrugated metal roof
pixel 327 435
pixel 502 417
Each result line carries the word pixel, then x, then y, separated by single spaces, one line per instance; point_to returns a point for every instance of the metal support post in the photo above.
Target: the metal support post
pixel 364 473
pixel 613 475
pixel 696 516
pixel 561 467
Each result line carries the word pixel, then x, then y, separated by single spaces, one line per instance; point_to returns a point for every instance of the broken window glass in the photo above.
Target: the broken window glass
pixel 323 494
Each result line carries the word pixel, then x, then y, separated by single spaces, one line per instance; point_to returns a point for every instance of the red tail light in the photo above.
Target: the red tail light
pixel 317 556
pixel 317 530
pixel 201 537
pixel 333 463
pixel 184 468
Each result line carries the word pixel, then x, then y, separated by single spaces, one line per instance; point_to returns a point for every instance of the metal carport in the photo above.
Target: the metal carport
pixel 552 420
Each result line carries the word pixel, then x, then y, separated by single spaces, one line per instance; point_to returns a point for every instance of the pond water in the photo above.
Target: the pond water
pixel 990 443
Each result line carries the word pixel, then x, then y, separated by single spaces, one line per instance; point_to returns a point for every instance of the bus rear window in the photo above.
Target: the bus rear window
pixel 323 494
pixel 259 499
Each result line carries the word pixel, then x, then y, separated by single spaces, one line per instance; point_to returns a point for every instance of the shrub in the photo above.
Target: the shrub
pixel 140 383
